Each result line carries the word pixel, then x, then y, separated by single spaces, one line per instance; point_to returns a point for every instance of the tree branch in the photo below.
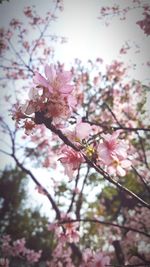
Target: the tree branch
pixel 28 172
pixel 74 193
pixel 86 220
pixel 115 128
pixel 49 125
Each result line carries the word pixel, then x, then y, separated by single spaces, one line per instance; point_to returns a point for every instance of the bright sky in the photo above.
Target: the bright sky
pixel 88 37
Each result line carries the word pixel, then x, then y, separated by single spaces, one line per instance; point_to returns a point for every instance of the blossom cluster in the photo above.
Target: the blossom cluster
pixel 51 95
pixel 68 232
pixel 53 98
pixel 17 248
pixel 110 152
pixel 132 243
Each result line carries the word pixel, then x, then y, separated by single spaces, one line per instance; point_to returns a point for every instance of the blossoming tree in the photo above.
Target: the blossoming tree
pixel 89 124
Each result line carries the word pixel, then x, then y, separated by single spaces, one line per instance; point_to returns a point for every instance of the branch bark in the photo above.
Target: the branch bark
pixel 48 123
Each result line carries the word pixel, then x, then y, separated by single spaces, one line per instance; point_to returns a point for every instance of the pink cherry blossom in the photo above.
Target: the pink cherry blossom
pixel 19 246
pixel 33 256
pixel 119 167
pixel 100 260
pixel 82 130
pixel 52 226
pixel 112 147
pixel 94 259
pixel 55 81
pixel 17 249
pixel 52 96
pixel 71 160
pixel 71 232
pixel 87 255
pixel 58 109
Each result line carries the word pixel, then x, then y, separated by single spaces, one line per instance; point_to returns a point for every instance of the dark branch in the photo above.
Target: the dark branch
pixel 59 133
pixel 39 185
pixel 115 128
pixel 86 220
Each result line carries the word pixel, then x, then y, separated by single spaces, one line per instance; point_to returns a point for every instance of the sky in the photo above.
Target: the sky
pixel 88 37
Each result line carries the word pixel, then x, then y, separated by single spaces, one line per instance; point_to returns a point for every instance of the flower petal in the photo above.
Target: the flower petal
pixel 38 79
pixel 50 73
pixel 66 89
pixel 83 130
pixel 65 76
pixel 120 171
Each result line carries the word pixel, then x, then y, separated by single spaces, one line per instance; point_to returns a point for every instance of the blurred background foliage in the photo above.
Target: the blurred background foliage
pixel 18 220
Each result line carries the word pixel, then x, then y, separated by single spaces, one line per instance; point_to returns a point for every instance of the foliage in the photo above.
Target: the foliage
pixel 17 219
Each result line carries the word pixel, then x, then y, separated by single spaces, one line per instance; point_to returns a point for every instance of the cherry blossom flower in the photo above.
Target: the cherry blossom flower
pixel 33 256
pixel 71 232
pixel 55 81
pixel 91 259
pixel 82 130
pixel 17 249
pixel 19 246
pixel 112 152
pixel 61 256
pixel 52 226
pixel 118 167
pixel 87 255
pixel 112 147
pixel 58 109
pixel 52 96
pixel 100 260
pixel 71 160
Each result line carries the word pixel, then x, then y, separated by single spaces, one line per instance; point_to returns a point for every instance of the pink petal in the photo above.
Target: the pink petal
pixel 69 171
pixel 72 102
pixel 121 152
pixel 116 134
pixel 111 170
pixel 66 89
pixel 50 73
pixel 106 137
pixel 104 154
pixel 40 80
pixel 121 171
pixel 50 88
pixel 63 160
pixel 126 163
pixel 83 130
pixel 65 76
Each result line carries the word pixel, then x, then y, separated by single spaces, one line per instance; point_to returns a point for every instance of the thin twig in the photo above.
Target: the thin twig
pixel 115 128
pixel 39 185
pixel 86 220
pixel 79 201
pixel 74 193
pixel 143 149
pixel 141 178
